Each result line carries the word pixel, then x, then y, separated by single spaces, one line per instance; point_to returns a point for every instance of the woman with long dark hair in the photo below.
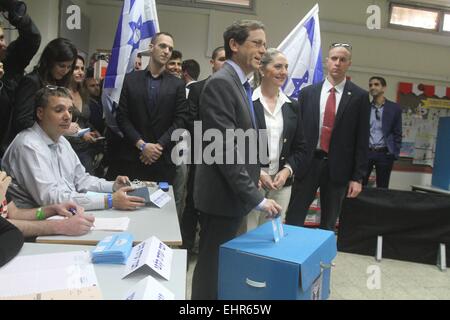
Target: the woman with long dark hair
pixel 86 145
pixel 55 67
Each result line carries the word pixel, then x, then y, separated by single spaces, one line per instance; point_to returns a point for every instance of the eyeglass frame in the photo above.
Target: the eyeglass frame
pixel 347 46
pixel 52 87
pixel 258 43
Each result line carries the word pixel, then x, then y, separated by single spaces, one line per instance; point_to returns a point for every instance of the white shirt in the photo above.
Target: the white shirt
pixel 44 172
pixel 323 101
pixel 275 126
pixel 187 87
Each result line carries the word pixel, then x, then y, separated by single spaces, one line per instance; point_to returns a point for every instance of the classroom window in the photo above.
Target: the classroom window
pixel 245 6
pixel 446 26
pixel 238 3
pixel 414 17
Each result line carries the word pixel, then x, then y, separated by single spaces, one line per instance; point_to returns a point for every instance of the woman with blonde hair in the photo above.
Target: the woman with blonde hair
pixel 280 115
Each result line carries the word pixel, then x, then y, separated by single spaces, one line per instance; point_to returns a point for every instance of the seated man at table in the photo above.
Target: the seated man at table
pixel 27 220
pixel 46 170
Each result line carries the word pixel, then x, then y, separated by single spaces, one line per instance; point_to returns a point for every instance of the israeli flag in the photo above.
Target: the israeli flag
pixel 137 25
pixel 302 48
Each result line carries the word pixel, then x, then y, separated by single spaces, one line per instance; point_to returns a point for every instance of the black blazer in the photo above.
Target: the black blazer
pixel 18 55
pixel 195 91
pixel 293 151
pixel 226 189
pixel 24 111
pixel 154 125
pixel 347 157
pixel 392 127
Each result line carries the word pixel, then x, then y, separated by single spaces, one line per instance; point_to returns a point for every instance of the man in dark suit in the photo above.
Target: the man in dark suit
pixel 335 115
pixel 189 218
pixel 385 133
pixel 225 191
pixel 152 105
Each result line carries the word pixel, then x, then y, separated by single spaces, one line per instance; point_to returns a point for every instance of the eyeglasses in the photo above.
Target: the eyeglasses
pixel 258 43
pixel 57 88
pixel 341 45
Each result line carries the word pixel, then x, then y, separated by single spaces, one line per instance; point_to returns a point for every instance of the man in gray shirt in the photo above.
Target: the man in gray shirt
pixel 45 169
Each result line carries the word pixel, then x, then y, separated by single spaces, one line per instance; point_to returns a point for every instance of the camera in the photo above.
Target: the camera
pixel 15 8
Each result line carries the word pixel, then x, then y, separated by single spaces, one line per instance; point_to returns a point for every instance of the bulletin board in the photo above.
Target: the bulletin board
pixel 422 106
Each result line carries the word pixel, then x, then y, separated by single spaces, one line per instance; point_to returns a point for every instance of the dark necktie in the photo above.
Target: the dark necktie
pixel 328 121
pixel 249 92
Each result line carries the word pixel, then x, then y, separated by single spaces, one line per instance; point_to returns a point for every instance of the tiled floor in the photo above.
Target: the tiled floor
pixel 356 277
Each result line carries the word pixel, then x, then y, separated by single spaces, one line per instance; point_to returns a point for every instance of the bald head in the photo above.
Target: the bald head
pixel 338 61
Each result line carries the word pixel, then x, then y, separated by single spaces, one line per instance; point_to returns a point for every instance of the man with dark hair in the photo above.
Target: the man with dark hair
pixel 173 66
pixel 190 72
pixel 92 86
pixel 335 115
pixel 385 133
pixel 46 170
pixel 138 62
pixel 225 192
pixel 189 218
pixel 152 105
pixel 13 60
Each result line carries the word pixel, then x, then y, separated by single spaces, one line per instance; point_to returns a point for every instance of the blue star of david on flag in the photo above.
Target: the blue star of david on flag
pixel 135 33
pixel 136 26
pixel 298 83
pixel 302 48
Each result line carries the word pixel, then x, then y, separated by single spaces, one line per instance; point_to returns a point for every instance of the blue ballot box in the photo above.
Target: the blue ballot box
pixel 441 168
pixel 254 267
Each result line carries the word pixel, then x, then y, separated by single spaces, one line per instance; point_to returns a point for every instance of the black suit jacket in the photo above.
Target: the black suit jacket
pixel 24 111
pixel 226 189
pixel 18 56
pixel 293 151
pixel 350 137
pixel 195 91
pixel 392 127
pixel 137 120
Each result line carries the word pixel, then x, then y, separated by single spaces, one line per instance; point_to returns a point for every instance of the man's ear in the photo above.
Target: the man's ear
pixel 234 46
pixel 39 113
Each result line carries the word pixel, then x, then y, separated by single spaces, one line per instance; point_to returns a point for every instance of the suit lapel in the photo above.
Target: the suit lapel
pixel 345 99
pixel 162 89
pixel 143 83
pixel 386 117
pixel 316 102
pixel 240 87
pixel 259 114
pixel 287 118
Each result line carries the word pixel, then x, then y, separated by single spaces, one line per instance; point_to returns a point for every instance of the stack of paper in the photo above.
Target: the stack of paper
pixel 65 275
pixel 113 249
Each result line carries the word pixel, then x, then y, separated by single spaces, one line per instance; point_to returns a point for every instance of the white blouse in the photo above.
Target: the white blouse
pixel 275 126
